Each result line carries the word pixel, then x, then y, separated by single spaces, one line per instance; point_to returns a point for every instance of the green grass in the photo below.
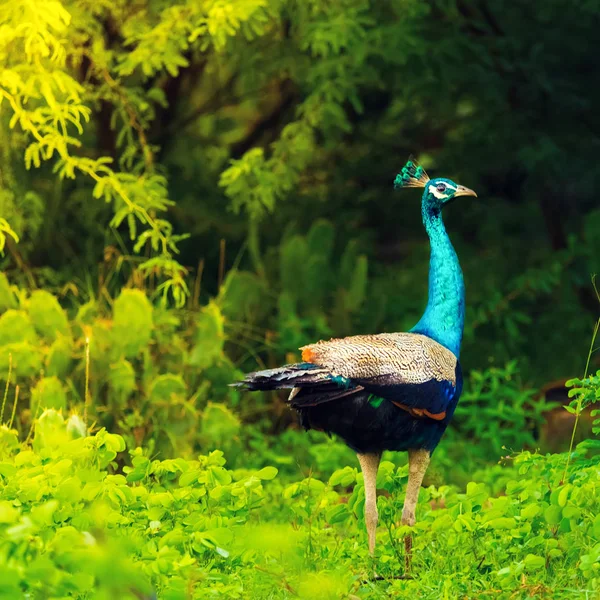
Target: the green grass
pixel 75 524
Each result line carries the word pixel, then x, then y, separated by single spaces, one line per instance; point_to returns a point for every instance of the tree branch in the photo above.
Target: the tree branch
pixel 270 122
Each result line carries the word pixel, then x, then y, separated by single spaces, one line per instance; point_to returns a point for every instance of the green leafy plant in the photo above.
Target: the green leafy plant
pixel 498 412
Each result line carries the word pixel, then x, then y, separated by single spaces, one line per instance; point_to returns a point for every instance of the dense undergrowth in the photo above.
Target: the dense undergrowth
pixel 185 488
pixel 75 524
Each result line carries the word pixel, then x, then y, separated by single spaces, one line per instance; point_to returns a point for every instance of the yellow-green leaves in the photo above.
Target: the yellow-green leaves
pixel 166 389
pixel 59 358
pixel 50 430
pixel 26 359
pixel 16 326
pixel 325 586
pixel 209 337
pixel 7 296
pixel 6 230
pixel 48 393
pixel 8 513
pixel 132 322
pixel 219 426
pixel 39 45
pixel 121 381
pixel 343 477
pixel 267 473
pixel 48 317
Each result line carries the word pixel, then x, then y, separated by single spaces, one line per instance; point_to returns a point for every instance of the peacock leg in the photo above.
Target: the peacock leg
pixel 369 463
pixel 418 461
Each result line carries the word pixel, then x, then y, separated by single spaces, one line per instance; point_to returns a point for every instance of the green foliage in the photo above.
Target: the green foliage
pixel 98 531
pixel 48 393
pixel 586 393
pixel 132 349
pixel 121 382
pixel 47 316
pixel 219 427
pixel 210 337
pixel 48 105
pixel 132 323
pixel 318 296
pixel 16 326
pixel 291 114
pixel 497 412
pixel 186 528
pixel 186 525
pixel 59 357
pixel 7 298
pixel 6 231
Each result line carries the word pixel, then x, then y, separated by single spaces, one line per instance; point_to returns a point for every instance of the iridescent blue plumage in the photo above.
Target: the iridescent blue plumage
pixel 390 391
pixel 416 375
pixel 444 317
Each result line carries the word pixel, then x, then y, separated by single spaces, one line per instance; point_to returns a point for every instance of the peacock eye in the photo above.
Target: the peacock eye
pixel 441 187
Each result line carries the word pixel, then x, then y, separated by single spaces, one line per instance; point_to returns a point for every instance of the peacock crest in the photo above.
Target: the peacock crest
pixel 412 175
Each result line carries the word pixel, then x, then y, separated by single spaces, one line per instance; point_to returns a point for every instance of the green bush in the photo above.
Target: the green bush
pixel 74 524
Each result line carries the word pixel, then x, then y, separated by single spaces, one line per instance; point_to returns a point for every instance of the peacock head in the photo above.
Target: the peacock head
pixel 437 192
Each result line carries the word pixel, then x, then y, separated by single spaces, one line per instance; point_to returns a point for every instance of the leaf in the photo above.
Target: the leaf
pixel 60 357
pixel 219 426
pixel 563 495
pixel 48 393
pixel 337 514
pixel 189 478
pixel 167 388
pixel 590 444
pixel 209 337
pixel 47 316
pixel 358 285
pixel 121 379
pixel 343 477
pixel 8 514
pixel 132 323
pixel 219 476
pixel 530 511
pixel 534 562
pixel 553 515
pixel 502 523
pixel 596 526
pixel 267 473
pixel 16 327
pixel 7 296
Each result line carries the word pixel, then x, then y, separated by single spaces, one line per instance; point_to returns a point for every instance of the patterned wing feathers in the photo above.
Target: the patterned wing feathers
pixel 409 357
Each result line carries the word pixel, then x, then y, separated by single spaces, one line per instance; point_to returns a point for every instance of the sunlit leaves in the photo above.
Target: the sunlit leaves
pixel 162 46
pixel 6 230
pixel 47 103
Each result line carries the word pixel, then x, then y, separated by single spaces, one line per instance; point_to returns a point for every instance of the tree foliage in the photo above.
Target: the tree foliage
pixel 177 113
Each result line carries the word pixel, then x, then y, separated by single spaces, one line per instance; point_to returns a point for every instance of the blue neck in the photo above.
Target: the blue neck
pixel 444 317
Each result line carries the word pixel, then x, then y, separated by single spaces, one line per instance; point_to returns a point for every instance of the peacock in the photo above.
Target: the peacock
pixel 389 391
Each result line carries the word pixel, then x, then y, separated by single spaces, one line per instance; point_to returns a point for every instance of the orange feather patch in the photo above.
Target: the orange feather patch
pixel 308 355
pixel 421 412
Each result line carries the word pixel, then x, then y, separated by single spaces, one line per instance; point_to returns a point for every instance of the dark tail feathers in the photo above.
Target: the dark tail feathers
pixel 289 376
pixel 314 385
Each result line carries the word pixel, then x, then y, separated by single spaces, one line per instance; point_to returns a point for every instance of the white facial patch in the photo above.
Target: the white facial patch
pixel 448 191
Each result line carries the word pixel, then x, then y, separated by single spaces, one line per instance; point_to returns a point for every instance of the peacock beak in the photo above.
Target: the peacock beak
pixel 464 191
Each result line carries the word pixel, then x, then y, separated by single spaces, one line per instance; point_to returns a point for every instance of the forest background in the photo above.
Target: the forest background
pixel 191 190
